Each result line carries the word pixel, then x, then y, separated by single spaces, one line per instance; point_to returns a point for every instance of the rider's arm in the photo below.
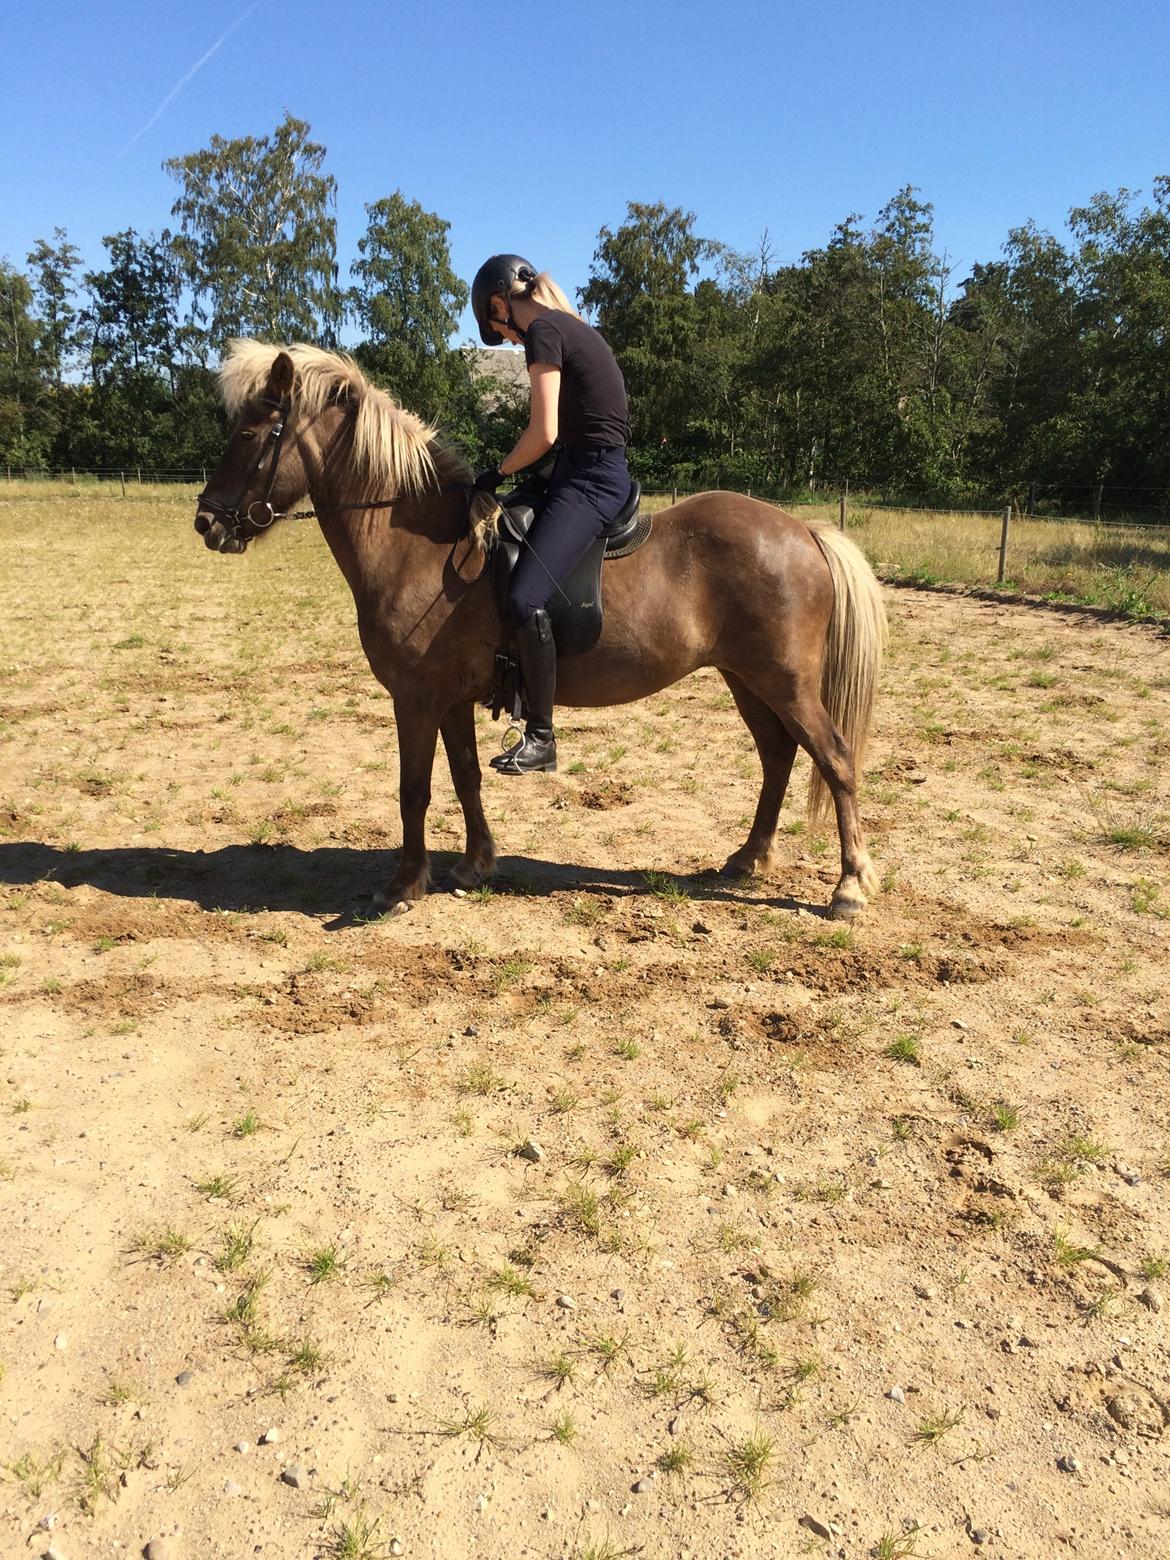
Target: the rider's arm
pixel 541 433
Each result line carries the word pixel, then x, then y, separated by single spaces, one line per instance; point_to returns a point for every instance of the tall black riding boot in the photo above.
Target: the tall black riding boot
pixel 538 665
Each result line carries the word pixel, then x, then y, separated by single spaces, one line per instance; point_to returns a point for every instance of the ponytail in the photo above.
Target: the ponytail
pixel 545 292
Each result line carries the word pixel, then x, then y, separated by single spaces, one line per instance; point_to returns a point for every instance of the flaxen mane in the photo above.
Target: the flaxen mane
pixel 391 446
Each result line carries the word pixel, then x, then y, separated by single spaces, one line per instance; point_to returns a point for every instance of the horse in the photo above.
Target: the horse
pixel 789 613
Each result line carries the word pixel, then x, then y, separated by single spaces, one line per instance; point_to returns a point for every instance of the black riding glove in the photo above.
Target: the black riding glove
pixel 488 481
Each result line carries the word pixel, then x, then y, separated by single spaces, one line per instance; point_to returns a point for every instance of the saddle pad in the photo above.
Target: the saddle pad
pixel 642 528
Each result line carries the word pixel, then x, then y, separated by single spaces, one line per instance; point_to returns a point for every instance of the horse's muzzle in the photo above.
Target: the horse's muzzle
pixel 216 536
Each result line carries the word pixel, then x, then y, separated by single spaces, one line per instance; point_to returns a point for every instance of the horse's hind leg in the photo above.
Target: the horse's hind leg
pixel 479 857
pixel 808 721
pixel 777 749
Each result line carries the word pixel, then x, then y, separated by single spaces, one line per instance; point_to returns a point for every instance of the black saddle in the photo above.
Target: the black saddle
pixel 575 606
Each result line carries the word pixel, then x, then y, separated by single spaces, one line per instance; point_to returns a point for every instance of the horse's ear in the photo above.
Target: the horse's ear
pixel 280 377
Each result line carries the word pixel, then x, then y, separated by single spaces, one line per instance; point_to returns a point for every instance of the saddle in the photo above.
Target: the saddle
pixel 574 608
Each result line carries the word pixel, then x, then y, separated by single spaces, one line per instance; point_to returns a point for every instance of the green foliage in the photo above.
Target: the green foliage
pixel 257 242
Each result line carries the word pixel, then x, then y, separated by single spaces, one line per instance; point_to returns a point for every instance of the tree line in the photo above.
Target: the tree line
pixel 1045 372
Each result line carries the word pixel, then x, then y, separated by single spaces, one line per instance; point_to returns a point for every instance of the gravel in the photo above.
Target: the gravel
pixel 184 1378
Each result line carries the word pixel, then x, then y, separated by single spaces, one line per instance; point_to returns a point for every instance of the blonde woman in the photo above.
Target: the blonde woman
pixel 578 397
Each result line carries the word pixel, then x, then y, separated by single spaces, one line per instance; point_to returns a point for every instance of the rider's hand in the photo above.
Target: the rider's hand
pixel 488 481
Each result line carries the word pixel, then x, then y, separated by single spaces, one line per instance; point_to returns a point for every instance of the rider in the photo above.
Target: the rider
pixel 579 397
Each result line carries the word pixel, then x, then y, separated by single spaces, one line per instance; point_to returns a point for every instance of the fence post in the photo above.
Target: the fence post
pixel 73 476
pixel 205 476
pixel 122 480
pixel 1003 541
pixel 139 476
pixel 843 504
pixel 674 495
pixel 1097 502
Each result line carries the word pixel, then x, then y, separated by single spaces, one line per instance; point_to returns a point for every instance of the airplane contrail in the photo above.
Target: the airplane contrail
pixel 182 82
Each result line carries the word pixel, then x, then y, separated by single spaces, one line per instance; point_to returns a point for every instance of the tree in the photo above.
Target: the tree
pixel 639 288
pixel 53 270
pixel 26 421
pixel 407 299
pixel 133 308
pixel 258 238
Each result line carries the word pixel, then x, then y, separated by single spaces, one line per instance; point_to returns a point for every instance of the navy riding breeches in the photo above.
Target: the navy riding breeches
pixel 589 488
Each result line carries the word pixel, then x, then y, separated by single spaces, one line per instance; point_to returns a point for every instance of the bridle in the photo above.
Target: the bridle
pixel 241 526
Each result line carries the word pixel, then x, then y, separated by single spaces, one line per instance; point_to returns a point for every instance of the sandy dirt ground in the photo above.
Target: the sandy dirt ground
pixel 621 1210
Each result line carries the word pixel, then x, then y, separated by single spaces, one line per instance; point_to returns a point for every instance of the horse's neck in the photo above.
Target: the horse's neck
pixel 374 548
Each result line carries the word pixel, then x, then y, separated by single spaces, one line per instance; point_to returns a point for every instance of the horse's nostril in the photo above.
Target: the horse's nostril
pixel 203 523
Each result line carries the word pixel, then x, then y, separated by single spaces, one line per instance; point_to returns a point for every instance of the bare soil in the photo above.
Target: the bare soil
pixel 783 1168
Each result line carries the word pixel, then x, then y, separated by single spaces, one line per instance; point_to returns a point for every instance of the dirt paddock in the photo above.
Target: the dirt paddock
pixel 621 1210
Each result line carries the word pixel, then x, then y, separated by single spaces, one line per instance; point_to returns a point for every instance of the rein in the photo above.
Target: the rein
pixel 235 522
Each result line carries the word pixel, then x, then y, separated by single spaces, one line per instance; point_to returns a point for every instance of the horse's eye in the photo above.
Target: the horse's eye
pixel 247 433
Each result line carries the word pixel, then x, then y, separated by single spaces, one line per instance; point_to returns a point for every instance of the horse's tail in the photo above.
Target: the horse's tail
pixel 854 643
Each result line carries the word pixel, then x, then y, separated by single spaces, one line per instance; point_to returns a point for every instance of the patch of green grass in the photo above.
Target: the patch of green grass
pixel 666 888
pixel 308 1357
pixel 324 1265
pixel 508 1280
pixel 1004 1117
pixel 748 1461
pixel 481 1079
pixel 235 1247
pixel 562 1369
pixel 629 1050
pixel 223 1186
pixel 163 1245
pixel 247 1125
pixel 905 1048
pixel 1066 1253
pixel 677 1458
pixel 564 1429
pixel 477 1424
pixel 931 1431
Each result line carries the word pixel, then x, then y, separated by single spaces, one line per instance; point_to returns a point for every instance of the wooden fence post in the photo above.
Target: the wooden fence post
pixel 122 480
pixel 844 503
pixel 674 495
pixel 140 476
pixel 1097 497
pixel 1003 541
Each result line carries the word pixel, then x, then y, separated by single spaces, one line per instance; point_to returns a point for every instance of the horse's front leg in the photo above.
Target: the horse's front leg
pixel 418 729
pixel 479 858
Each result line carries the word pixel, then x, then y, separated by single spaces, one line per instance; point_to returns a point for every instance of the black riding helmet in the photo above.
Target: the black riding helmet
pixel 497 275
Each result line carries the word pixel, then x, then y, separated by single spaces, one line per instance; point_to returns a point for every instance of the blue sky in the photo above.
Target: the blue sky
pixel 529 127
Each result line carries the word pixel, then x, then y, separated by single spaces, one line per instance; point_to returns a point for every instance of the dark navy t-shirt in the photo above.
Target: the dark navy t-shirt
pixel 592 409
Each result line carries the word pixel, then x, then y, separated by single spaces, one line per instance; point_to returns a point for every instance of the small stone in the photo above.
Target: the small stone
pixel 270 1437
pixel 815 1525
pixel 161 1549
pixel 48 1522
pixel 61 1341
pixel 296 1476
pixel 242 1446
pixel 471 1031
pixel 481 1502
pixel 230 1487
pixel 1068 1464
pixel 566 1302
pixel 978 1535
pixel 730 1191
pixel 643 1487
pixel 896 1395
pixel 397 1547
pixel 674 1426
pixel 720 1004
pixel 184 1378
pixel 1151 1299
pixel 53 1553
pixel 531 1151
pixel 957 1023
pixel 619 1297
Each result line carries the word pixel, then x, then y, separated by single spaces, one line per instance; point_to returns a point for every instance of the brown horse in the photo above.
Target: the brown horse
pixel 790 614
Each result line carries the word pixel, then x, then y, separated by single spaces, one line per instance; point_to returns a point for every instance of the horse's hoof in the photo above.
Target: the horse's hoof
pixel 399 907
pixel 739 866
pixel 846 907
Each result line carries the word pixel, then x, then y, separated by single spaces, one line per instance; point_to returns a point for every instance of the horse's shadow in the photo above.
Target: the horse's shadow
pixel 336 881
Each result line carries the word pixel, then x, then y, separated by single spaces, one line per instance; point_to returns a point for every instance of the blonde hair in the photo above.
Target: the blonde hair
pixel 391 446
pixel 546 292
